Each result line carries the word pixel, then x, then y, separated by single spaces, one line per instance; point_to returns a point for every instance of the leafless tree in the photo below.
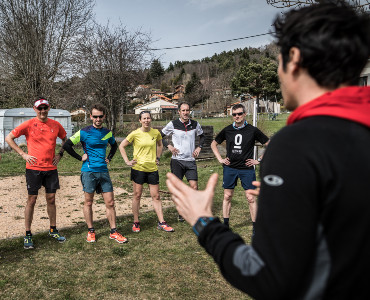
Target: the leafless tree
pixel 112 60
pixel 362 5
pixel 36 39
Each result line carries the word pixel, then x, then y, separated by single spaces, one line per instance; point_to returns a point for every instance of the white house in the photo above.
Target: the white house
pixel 11 118
pixel 365 75
pixel 156 106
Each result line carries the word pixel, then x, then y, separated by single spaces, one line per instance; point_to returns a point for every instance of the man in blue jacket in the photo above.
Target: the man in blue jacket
pixel 94 171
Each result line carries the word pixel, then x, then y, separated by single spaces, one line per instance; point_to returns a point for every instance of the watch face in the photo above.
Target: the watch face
pixel 201 224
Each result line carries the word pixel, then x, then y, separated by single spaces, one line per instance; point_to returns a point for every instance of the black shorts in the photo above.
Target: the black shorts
pixel 141 177
pixel 35 179
pixel 185 168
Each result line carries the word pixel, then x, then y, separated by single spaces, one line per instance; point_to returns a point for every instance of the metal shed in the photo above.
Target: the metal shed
pixel 11 118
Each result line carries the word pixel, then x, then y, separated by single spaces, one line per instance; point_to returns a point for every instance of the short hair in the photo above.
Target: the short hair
pixel 239 105
pixel 99 107
pixel 333 40
pixel 182 103
pixel 145 112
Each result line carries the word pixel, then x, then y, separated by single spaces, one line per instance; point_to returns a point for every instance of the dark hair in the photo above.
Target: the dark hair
pixel 239 105
pixel 182 103
pixel 145 112
pixel 99 107
pixel 333 40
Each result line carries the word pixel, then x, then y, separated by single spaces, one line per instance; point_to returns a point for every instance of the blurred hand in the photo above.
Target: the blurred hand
pixel 56 159
pixel 225 161
pixel 255 192
pixel 173 150
pixel 84 157
pixel 30 159
pixel 131 163
pixel 251 162
pixel 196 152
pixel 192 204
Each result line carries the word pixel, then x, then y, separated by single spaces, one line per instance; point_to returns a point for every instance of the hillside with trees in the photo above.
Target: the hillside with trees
pixel 222 78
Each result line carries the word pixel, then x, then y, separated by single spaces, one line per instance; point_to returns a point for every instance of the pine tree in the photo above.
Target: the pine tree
pixel 156 69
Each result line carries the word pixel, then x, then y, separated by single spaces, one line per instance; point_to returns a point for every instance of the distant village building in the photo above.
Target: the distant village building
pixel 178 95
pixel 265 106
pixel 365 75
pixel 156 106
pixel 224 93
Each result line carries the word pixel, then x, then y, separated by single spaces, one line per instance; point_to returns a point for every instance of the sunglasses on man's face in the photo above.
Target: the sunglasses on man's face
pixel 100 117
pixel 40 108
pixel 237 114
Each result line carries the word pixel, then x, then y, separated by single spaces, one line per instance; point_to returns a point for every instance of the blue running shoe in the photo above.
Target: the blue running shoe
pixel 55 234
pixel 28 243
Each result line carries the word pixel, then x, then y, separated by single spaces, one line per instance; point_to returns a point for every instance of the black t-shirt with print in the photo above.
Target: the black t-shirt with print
pixel 240 143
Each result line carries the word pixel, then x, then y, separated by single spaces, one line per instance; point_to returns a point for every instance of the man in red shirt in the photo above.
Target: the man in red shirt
pixel 41 163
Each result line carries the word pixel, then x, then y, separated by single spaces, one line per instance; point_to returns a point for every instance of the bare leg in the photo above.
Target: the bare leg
pixel 111 211
pixel 252 201
pixel 138 190
pixel 88 213
pixel 51 208
pixel 226 204
pixel 157 204
pixel 28 213
pixel 193 184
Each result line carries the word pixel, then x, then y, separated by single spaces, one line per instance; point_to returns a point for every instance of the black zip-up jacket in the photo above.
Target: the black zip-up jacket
pixel 313 225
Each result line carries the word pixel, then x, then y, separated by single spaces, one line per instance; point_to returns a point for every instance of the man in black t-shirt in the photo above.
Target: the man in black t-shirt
pixel 240 138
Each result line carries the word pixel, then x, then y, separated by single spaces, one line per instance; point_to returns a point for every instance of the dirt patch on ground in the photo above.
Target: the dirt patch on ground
pixel 69 202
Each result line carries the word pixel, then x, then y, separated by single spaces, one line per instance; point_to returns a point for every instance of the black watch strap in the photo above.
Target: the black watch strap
pixel 201 224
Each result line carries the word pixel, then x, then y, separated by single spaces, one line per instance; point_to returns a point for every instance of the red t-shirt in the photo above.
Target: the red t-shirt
pixel 41 140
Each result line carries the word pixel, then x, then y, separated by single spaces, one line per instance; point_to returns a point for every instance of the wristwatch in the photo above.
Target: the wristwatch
pixel 259 159
pixel 201 224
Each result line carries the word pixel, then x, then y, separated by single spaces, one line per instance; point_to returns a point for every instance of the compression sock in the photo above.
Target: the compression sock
pixel 113 230
pixel 28 232
pixel 91 229
pixel 226 221
pixel 53 228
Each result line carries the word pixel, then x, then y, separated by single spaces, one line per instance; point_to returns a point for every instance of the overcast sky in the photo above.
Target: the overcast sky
pixel 173 23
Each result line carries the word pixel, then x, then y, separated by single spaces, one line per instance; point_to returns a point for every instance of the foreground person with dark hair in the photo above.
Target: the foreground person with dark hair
pixel 313 226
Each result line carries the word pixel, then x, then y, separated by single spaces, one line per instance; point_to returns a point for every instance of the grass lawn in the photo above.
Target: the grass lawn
pixel 152 265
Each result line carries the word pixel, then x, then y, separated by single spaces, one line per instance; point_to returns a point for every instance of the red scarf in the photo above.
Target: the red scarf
pixel 351 103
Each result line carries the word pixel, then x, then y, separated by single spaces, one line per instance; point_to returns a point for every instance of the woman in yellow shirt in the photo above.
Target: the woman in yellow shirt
pixel 148 147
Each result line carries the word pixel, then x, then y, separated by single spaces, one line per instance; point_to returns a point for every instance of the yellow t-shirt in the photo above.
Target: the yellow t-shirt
pixel 145 149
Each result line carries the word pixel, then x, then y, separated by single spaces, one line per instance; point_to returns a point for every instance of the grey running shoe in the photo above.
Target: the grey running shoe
pixel 28 243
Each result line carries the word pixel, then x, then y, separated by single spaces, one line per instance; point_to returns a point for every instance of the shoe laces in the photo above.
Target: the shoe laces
pixel 118 235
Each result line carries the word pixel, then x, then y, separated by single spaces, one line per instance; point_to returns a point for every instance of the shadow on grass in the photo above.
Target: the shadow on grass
pixel 11 250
